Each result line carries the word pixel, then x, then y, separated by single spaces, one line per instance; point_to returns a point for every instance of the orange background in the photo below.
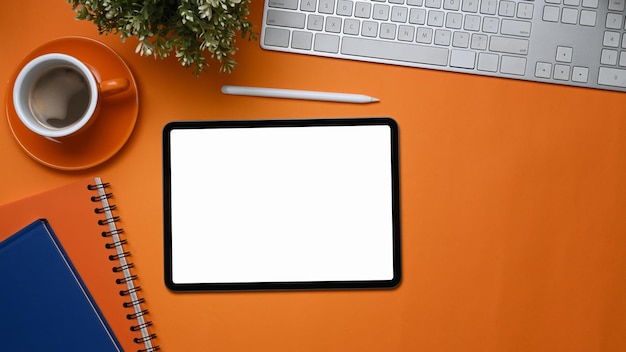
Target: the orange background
pixel 513 202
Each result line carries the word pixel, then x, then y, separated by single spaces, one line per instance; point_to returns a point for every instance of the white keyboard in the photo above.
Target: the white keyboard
pixel 570 42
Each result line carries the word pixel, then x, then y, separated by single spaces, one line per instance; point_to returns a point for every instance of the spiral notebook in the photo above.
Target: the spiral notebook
pixel 84 219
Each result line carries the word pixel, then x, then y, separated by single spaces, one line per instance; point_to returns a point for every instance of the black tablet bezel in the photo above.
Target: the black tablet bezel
pixel 308 285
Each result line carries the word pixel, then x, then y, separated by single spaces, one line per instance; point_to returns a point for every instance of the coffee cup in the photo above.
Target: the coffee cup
pixel 56 95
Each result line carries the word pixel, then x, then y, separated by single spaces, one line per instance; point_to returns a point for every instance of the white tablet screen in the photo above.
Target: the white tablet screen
pixel 310 204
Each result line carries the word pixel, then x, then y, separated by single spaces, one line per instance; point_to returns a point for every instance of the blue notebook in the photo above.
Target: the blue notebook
pixel 44 305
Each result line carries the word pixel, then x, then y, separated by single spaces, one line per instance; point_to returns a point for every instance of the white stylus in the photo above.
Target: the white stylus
pixel 298 94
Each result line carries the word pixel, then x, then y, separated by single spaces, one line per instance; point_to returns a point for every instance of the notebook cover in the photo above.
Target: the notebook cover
pixel 44 304
pixel 70 211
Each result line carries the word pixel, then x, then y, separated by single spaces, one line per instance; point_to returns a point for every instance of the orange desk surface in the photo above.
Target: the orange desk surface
pixel 513 203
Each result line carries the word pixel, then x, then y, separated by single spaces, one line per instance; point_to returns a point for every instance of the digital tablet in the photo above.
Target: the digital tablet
pixel 281 204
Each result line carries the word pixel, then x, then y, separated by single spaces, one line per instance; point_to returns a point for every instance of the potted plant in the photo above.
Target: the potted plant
pixel 191 29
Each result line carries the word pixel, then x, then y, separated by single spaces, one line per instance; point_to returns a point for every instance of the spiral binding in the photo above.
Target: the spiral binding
pixel 121 256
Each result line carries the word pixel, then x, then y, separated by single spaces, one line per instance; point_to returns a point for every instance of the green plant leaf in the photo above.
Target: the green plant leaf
pixel 187 28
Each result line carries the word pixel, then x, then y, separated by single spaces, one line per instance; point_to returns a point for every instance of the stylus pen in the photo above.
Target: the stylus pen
pixel 298 94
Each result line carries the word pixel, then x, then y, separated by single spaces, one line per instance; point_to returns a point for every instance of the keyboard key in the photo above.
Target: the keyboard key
pixel 508 45
pixel 435 18
pixel 308 5
pixel 487 62
pixel 543 70
pixel 580 74
pixel 399 14
pixel 490 24
pixel 614 20
pixel 276 37
pixel 435 4
pixel 569 15
pixel 479 41
pixel 388 31
pixel 551 13
pixel 453 20
pixel 608 57
pixel 406 33
pixel 571 2
pixel 611 39
pixel 564 54
pixel 333 24
pixel 616 5
pixel 326 6
pixel 525 10
pixel 462 59
pixel 507 8
pixel 516 28
pixel 315 23
pixel 443 37
pixel 395 51
pixel 451 4
pixel 588 18
pixel 513 65
pixel 326 43
pixel 417 16
pixel 460 39
pixel 472 23
pixel 285 19
pixel 424 35
pixel 590 4
pixel 561 72
pixel 612 77
pixel 470 6
pixel 488 7
pixel 301 40
pixel 381 12
pixel 344 8
pixel 351 26
pixel 363 9
pixel 369 29
pixel 283 4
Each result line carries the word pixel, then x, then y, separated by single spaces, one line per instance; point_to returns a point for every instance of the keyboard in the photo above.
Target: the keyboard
pixel 570 42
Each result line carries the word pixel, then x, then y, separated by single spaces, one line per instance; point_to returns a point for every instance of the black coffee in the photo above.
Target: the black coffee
pixel 59 97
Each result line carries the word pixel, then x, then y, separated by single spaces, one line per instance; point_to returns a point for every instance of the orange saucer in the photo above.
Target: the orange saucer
pixel 110 130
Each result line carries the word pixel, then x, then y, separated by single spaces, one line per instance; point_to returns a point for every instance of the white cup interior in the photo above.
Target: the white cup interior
pixel 27 78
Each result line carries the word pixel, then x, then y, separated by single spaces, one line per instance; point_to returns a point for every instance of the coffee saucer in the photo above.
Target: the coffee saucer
pixel 110 130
